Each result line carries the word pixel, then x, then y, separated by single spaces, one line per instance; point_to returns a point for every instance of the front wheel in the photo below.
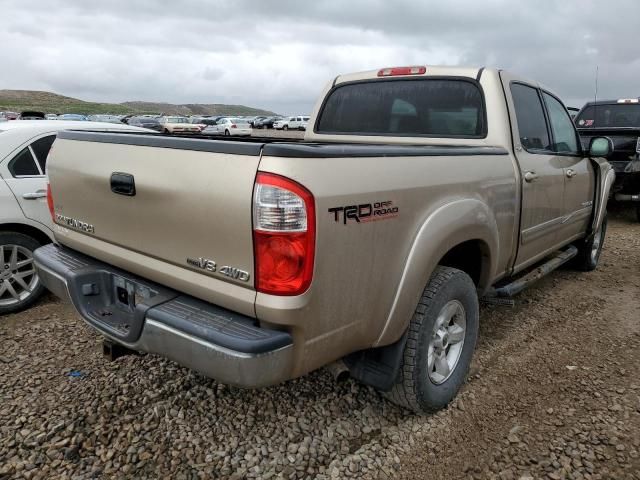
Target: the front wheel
pixel 589 250
pixel 286 127
pixel 20 286
pixel 441 340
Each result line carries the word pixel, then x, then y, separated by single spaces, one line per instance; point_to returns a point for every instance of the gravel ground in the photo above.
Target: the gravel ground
pixel 554 392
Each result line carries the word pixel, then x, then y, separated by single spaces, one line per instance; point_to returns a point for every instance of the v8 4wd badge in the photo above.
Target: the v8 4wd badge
pixel 212 267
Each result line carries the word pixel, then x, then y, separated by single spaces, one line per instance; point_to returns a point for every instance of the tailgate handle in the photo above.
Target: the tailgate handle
pixel 123 184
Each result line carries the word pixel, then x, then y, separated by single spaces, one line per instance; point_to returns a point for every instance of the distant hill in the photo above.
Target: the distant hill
pixel 194 108
pixel 21 100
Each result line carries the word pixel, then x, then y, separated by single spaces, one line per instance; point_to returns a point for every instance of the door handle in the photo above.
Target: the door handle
pixel 530 176
pixel 123 184
pixel 34 195
pixel 570 173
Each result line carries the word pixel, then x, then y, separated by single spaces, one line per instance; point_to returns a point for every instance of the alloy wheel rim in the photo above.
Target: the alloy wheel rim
pixel 446 342
pixel 18 278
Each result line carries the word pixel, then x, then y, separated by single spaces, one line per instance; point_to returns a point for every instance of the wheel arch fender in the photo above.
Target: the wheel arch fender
pixel 458 222
pixel 605 177
pixel 31 228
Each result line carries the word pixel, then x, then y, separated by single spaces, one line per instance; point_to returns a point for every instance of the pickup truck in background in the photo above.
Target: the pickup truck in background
pixel 619 120
pixel 415 192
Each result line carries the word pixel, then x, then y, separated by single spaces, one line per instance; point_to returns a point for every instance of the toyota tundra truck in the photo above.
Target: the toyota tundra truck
pixel 416 192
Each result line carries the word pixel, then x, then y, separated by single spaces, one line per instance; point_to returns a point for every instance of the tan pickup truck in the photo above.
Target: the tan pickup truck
pixel 415 192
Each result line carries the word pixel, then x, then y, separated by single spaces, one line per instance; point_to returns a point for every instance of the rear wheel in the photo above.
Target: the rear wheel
pixel 19 284
pixel 227 133
pixel 589 250
pixel 440 343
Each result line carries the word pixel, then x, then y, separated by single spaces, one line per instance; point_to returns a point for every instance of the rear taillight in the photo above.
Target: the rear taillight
pixel 284 231
pixel 50 202
pixel 233 125
pixel 390 72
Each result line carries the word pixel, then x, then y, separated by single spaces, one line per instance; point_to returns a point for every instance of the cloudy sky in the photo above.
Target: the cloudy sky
pixel 278 54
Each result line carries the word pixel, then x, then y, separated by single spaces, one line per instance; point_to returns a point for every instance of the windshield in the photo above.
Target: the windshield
pixel 177 120
pixel 610 116
pixel 429 107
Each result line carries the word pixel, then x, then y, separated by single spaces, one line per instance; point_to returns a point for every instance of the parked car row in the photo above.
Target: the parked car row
pixel 177 124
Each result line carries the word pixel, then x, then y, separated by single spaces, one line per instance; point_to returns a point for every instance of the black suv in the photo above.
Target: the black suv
pixel 620 121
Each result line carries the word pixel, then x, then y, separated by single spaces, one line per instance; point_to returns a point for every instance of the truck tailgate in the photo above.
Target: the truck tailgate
pixel 154 205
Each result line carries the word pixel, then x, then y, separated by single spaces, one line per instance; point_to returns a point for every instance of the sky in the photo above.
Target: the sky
pixel 278 54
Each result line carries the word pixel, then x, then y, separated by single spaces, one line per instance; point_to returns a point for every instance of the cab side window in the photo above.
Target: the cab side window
pixel 565 138
pixel 532 124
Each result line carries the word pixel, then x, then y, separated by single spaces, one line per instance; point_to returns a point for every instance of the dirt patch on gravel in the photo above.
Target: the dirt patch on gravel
pixel 554 393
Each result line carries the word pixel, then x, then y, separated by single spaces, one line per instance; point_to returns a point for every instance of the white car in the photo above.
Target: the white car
pixel 292 123
pixel 229 126
pixel 25 221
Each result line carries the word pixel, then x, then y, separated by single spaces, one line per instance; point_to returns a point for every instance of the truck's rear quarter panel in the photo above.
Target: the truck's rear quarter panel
pixel 359 265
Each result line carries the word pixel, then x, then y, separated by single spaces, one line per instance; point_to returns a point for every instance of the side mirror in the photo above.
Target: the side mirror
pixel 600 147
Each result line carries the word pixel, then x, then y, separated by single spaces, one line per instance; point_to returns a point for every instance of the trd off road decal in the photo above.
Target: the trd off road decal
pixel 365 212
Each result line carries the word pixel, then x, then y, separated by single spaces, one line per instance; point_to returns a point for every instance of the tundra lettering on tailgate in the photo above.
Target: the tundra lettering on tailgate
pixel 365 212
pixel 75 223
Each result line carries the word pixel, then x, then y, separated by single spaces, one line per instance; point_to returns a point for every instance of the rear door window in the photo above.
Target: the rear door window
pixel 532 125
pixel 420 107
pixel 23 164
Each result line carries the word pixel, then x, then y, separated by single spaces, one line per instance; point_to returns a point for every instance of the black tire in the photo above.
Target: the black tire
pixel 7 240
pixel 286 127
pixel 166 132
pixel 589 250
pixel 414 388
pixel 226 133
pixel 638 213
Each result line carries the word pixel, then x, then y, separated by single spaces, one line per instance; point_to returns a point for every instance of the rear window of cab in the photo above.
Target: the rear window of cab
pixel 429 107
